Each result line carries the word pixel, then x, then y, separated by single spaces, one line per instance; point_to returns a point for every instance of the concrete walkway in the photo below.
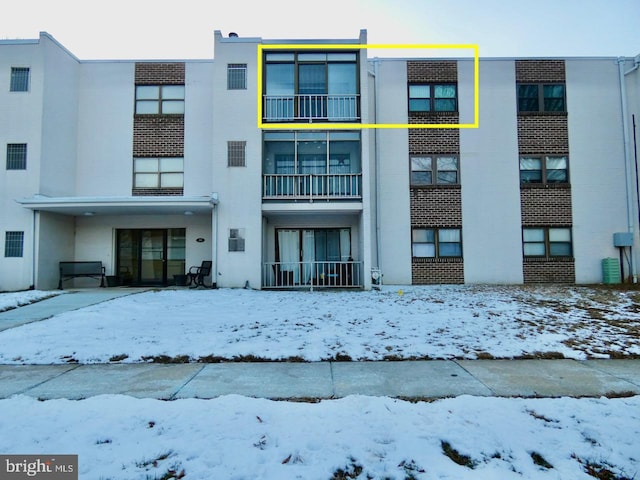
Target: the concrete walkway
pixel 65 302
pixel 278 380
pixel 281 380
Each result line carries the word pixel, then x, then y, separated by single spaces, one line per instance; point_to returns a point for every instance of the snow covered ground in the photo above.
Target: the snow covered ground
pixel 11 300
pixel 233 437
pixel 413 322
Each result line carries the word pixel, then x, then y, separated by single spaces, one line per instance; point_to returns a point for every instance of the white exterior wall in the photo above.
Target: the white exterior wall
pixel 105 130
pixel 489 175
pixel 20 123
pixel 596 163
pixel 393 196
pixel 239 188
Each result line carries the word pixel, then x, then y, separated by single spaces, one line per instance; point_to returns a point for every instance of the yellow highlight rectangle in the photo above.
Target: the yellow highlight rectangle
pixel 357 46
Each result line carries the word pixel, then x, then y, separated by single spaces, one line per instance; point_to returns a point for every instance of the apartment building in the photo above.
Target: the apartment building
pixel 264 161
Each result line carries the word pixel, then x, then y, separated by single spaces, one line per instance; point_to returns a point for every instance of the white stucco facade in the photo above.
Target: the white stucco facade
pixel 77 200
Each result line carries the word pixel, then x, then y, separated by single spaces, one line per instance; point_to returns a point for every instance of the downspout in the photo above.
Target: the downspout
pixel 376 64
pixel 214 236
pixel 627 160
pixel 34 259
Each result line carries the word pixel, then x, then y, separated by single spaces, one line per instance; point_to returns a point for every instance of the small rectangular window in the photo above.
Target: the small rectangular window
pixel 544 169
pixel 549 97
pixel 166 172
pixel 16 156
pixel 436 242
pixel 236 154
pixel 19 79
pixel 237 76
pixel 547 242
pixel 236 239
pixel 13 244
pixel 159 99
pixel 433 98
pixel 437 169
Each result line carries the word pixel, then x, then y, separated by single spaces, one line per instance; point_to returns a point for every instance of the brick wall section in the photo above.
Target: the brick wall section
pixel 436 206
pixel 560 270
pixel 538 71
pixel 543 134
pixel 546 206
pixel 158 136
pixel 434 273
pixel 432 71
pixel 159 73
pixel 434 140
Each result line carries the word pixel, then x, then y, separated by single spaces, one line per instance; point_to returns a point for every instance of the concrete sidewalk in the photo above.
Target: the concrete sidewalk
pixel 280 380
pixel 67 301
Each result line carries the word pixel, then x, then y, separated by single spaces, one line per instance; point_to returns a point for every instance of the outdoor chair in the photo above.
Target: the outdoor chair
pixel 198 274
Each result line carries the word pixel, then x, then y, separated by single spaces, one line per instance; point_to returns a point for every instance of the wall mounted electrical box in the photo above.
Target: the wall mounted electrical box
pixel 623 239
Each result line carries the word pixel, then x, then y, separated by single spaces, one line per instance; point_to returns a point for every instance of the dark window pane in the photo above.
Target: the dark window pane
pixel 419 105
pixel 447 249
pixel 560 249
pixel 448 177
pixel 421 178
pixel 556 176
pixel 530 176
pixel 16 156
pixel 528 104
pixel 554 105
pixel 19 80
pixel 445 105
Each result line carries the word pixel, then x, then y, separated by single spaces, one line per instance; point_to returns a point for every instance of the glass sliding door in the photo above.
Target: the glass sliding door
pixel 150 256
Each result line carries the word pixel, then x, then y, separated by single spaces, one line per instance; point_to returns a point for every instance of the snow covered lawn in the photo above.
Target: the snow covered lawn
pixel 235 437
pixel 396 323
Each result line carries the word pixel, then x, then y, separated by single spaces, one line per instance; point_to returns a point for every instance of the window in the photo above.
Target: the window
pixel 311 85
pixel 541 97
pixel 433 98
pixel 547 242
pixel 19 79
pixel 237 76
pixel 436 242
pixel 236 239
pixel 159 99
pixel 544 169
pixel 429 170
pixel 236 154
pixel 16 156
pixel 166 172
pixel 13 244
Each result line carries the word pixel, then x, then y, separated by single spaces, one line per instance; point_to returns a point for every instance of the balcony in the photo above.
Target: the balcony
pixel 316 107
pixel 328 274
pixel 346 186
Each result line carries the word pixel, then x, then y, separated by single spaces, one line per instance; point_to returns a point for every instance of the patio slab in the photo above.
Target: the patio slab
pixel 262 380
pixel 545 378
pixel 158 381
pixel 411 379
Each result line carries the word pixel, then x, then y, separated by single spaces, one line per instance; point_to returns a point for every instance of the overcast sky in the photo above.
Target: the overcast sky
pixel 155 29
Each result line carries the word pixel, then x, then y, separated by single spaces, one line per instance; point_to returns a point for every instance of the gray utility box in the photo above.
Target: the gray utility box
pixel 623 239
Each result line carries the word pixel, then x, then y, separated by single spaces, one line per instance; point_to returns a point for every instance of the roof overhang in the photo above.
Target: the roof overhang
pixel 143 205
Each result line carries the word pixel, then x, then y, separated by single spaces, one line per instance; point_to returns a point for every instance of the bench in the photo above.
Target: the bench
pixel 81 269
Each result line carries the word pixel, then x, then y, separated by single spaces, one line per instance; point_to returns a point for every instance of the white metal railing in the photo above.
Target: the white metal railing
pixel 311 107
pixel 312 186
pixel 312 274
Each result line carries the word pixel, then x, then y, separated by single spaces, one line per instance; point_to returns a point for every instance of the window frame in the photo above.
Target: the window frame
pixel 239 80
pixel 16 160
pixel 547 242
pixel 432 97
pixel 434 170
pixel 19 84
pixel 437 242
pixel 159 173
pixel 540 98
pixel 544 175
pixel 160 100
pixel 14 244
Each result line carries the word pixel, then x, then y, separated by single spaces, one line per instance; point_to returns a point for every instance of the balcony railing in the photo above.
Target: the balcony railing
pixel 333 186
pixel 336 108
pixel 312 274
